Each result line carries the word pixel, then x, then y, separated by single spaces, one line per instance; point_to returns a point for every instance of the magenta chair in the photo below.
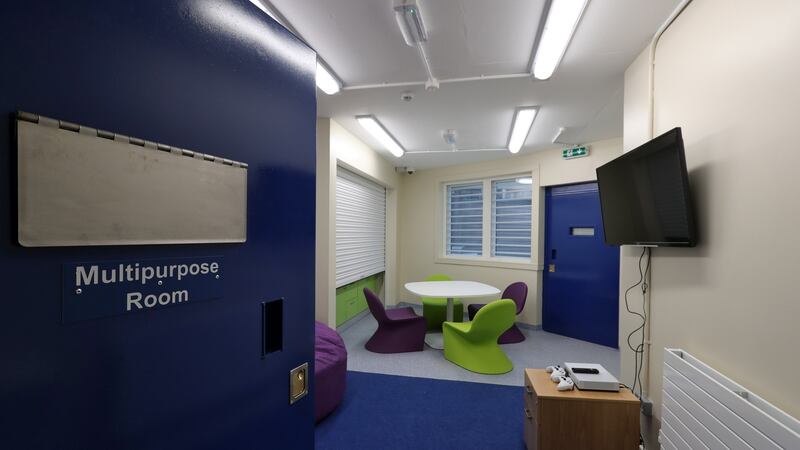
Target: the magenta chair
pixel 515 291
pixel 399 330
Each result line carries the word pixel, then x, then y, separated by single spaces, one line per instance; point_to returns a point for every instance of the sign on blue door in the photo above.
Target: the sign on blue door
pixel 92 290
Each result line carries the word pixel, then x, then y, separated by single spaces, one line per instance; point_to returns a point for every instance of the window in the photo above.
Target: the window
pixel 360 227
pixel 504 205
pixel 465 219
pixel 511 218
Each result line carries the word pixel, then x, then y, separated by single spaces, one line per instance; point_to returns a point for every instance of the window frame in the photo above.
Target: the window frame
pixel 486 260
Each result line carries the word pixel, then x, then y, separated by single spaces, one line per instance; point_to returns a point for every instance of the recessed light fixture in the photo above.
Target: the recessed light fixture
pixel 523 119
pixel 326 81
pixel 562 19
pixel 371 124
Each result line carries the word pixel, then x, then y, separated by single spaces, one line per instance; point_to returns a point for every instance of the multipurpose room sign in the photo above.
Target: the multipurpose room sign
pixel 92 290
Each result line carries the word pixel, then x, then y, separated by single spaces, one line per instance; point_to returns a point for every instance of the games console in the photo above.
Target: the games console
pixel 591 377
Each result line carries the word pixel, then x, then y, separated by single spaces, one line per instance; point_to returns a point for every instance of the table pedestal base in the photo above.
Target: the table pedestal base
pixel 435 341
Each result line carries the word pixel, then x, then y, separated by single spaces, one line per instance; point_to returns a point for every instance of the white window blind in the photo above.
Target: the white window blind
pixel 360 227
pixel 464 219
pixel 511 219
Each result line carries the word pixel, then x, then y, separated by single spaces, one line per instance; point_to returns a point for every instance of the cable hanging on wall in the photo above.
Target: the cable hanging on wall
pixel 639 349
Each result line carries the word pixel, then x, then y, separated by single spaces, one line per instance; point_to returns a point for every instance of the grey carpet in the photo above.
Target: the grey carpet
pixel 540 349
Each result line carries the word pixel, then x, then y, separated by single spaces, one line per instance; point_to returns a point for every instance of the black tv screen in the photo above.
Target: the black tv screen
pixel 645 198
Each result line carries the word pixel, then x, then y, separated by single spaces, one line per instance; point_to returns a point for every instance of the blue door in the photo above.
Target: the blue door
pixel 580 295
pixel 216 76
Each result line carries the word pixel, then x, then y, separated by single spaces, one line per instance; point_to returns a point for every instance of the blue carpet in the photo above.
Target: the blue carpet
pixel 393 412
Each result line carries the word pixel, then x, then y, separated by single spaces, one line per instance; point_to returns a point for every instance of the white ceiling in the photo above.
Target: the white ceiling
pixel 360 41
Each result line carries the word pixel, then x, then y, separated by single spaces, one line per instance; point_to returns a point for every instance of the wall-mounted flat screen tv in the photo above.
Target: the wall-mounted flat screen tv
pixel 645 197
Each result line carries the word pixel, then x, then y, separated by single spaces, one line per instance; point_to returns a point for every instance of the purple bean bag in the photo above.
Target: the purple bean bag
pixel 330 370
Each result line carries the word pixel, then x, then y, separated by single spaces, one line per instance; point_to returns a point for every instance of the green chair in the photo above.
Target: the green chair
pixel 473 345
pixel 435 309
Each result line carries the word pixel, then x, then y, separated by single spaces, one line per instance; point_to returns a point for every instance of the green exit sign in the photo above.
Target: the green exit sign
pixel 576 152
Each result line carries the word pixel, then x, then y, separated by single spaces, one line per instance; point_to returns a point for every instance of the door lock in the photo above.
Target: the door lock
pixel 298 383
pixel 551 268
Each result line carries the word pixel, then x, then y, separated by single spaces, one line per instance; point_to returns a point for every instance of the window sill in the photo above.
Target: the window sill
pixel 486 262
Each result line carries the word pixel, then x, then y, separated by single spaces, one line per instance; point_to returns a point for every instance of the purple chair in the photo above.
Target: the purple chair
pixel 399 330
pixel 515 291
pixel 330 370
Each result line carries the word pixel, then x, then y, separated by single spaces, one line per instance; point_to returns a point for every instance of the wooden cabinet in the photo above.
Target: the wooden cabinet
pixel 578 419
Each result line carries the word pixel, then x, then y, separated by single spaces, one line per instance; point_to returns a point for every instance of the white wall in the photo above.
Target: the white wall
pixel 727 72
pixel 420 217
pixel 337 147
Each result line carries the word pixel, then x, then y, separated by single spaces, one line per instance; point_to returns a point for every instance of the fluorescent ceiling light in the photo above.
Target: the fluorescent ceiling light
pixel 562 19
pixel 525 180
pixel 262 7
pixel 558 135
pixel 409 19
pixel 326 81
pixel 379 132
pixel 268 11
pixel 523 119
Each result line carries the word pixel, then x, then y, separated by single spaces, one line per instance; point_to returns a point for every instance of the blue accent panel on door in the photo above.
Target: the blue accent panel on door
pixel 580 299
pixel 215 76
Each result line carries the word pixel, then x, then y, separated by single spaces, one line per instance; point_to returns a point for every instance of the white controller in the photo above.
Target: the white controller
pixel 557 374
pixel 550 369
pixel 565 384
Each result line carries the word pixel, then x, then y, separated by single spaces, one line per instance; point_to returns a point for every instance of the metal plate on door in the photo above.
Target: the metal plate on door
pixel 551 268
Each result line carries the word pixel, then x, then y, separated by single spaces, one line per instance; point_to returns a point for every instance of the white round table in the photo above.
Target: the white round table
pixel 449 290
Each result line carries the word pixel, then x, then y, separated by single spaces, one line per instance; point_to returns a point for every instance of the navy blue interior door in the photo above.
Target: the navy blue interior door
pixel 214 76
pixel 580 295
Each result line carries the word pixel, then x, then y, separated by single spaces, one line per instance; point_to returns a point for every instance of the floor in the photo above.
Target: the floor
pixel 388 412
pixel 540 349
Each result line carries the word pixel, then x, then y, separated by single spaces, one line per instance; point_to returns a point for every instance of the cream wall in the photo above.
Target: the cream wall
pixel 336 147
pixel 325 257
pixel 727 72
pixel 635 132
pixel 420 218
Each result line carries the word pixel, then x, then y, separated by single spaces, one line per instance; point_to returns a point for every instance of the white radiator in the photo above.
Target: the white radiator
pixel 703 409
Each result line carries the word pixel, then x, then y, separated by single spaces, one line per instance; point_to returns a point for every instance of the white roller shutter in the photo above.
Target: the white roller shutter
pixel 360 227
pixel 511 218
pixel 465 219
